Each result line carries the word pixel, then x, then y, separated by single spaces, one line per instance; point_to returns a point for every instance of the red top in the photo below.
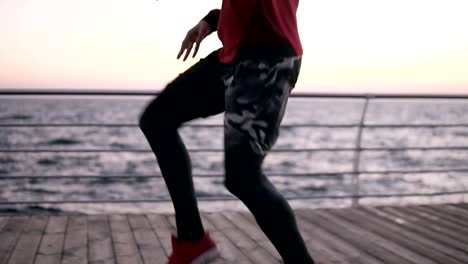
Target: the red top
pixel 246 23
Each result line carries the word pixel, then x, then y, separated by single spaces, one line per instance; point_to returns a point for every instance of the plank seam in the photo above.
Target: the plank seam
pixel 114 255
pixel 65 233
pixel 227 238
pixel 156 234
pixel 140 252
pixel 40 241
pixel 239 229
pixel 17 239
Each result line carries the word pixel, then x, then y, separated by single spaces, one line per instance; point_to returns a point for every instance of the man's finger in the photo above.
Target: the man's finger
pixel 189 49
pixel 197 46
pixel 182 48
pixel 180 52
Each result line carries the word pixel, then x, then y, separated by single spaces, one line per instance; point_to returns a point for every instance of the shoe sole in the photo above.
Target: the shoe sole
pixel 207 257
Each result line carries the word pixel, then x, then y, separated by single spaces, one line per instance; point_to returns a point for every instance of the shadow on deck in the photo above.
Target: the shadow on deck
pixel 387 234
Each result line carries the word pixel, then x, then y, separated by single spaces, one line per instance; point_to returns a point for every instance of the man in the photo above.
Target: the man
pixel 250 78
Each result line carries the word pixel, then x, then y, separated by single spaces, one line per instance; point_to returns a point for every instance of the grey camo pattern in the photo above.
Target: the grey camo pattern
pixel 256 97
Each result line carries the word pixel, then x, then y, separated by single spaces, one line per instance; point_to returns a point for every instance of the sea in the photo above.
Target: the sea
pixel 306 178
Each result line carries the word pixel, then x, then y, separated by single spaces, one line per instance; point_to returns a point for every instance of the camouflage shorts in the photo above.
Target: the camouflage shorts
pixel 255 100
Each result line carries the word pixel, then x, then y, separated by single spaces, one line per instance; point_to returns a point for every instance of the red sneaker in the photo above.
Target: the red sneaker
pixel 200 251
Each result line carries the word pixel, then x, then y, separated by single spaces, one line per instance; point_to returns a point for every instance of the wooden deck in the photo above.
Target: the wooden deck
pixel 411 234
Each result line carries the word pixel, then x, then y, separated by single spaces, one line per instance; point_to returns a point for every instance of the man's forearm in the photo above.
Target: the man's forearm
pixel 213 18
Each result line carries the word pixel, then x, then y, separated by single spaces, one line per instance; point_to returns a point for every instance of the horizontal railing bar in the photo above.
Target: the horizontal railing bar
pixel 153 93
pixel 221 150
pixel 360 196
pixel 220 126
pixel 218 175
pixel 208 175
pixel 415 148
pixel 412 194
pixel 414 125
pixel 191 126
pixel 414 171
pixel 232 198
pixel 148 150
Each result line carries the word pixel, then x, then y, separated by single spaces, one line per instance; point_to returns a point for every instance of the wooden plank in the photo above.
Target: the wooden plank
pixel 99 240
pixel 405 227
pixel 453 234
pixel 393 241
pixel 322 242
pixel 172 222
pixel 50 249
pixel 3 221
pixel 254 252
pixel 10 235
pixel 319 245
pixel 37 224
pixel 47 259
pixel 425 229
pixel 76 241
pixel 52 242
pixel 228 250
pixel 163 230
pixel 449 229
pixel 253 231
pixel 124 243
pixel 354 235
pixel 218 261
pixel 148 243
pixel 29 240
pixel 240 239
pixel 463 212
pixel 446 215
pixel 57 225
pixel 321 251
pixel 463 206
pixel 457 215
pixel 257 232
pixel 421 234
pixel 436 230
pixel 394 250
pixel 261 256
pixel 249 216
pixel 406 238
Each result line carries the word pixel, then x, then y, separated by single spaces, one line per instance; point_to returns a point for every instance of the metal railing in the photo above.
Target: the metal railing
pixel 355 196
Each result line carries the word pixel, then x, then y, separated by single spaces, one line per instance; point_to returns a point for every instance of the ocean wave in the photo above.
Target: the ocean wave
pixel 314 189
pixel 47 162
pixel 64 141
pixel 107 180
pixel 7 160
pixel 36 191
pixel 32 210
pixel 120 145
pixel 200 193
pixel 17 117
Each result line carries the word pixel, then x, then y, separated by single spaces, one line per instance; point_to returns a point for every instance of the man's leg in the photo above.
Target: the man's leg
pixel 255 103
pixel 198 92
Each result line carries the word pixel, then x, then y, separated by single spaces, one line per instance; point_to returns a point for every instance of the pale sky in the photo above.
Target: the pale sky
pixel 349 46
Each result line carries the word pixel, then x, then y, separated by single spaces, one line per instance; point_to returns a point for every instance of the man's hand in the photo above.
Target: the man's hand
pixel 194 37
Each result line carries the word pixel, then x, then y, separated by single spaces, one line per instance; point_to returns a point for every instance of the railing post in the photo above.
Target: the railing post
pixel 357 154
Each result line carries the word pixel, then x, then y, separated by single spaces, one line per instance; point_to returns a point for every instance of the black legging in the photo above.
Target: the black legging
pixel 199 92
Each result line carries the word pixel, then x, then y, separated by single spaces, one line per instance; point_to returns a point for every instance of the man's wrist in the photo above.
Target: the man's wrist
pixel 212 19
